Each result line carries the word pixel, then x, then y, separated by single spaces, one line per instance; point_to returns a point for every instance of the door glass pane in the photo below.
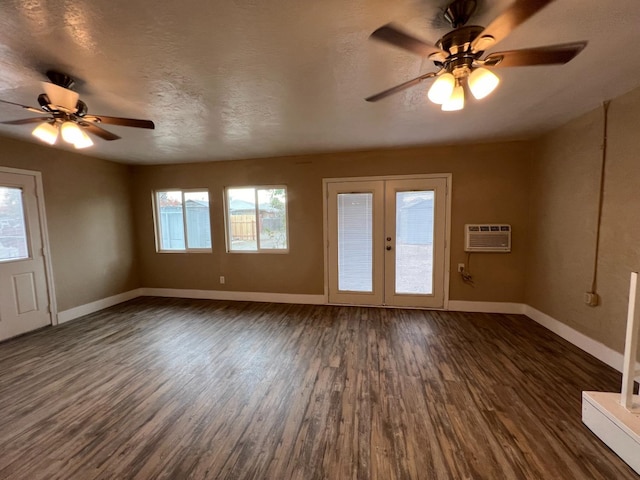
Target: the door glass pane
pixel 198 224
pixel 355 242
pixel 13 233
pixel 171 220
pixel 414 242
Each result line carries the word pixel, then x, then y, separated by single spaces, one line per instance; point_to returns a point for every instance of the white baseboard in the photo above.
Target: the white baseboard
pixel 235 296
pixel 81 310
pixel 580 340
pixel 486 307
pixel 76 312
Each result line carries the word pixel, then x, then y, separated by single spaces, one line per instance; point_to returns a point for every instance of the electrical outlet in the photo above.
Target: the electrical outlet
pixel 461 267
pixel 591 299
pixel 221 280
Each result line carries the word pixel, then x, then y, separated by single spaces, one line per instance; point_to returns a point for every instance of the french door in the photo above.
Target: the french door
pixel 24 303
pixel 386 241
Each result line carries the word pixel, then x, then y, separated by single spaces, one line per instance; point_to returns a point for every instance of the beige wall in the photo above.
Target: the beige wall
pixel 564 202
pixel 547 189
pixel 89 215
pixel 490 184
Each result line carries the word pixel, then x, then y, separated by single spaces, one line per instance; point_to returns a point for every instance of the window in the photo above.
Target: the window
pixel 257 219
pixel 13 233
pixel 182 221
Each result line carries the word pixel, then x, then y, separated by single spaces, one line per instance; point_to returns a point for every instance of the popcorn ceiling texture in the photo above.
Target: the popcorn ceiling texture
pixel 252 79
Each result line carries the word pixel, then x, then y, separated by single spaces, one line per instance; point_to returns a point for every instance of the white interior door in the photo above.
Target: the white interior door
pixel 386 242
pixel 24 302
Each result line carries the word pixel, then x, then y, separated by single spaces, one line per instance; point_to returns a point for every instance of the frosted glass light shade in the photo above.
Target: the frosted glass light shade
pixel 456 101
pixel 70 132
pixel 46 132
pixel 442 88
pixel 482 82
pixel 85 141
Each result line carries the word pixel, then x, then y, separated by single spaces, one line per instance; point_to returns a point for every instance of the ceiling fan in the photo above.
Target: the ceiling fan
pixel 458 54
pixel 67 116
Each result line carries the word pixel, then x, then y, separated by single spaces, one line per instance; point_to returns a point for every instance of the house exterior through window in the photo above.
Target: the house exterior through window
pixel 183 222
pixel 256 219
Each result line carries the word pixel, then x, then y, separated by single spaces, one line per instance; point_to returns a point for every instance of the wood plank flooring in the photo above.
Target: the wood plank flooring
pixel 193 389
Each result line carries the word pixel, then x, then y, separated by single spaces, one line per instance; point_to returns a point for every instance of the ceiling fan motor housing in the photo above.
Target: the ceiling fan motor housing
pixel 459 39
pixel 458 44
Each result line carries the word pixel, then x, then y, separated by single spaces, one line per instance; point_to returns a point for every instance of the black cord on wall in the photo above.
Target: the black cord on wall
pixel 605 111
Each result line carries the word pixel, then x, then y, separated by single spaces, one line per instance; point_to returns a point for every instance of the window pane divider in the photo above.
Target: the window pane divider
pixel 257 217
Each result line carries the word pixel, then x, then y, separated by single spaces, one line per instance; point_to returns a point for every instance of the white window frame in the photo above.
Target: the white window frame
pixel 156 221
pixel 225 195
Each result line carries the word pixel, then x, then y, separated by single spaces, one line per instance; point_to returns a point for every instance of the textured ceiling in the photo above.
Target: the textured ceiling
pixel 259 78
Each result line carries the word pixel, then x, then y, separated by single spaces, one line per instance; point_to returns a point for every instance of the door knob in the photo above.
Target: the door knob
pixel 388 247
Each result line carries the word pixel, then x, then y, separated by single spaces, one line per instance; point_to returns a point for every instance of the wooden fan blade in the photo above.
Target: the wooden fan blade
pixel 550 55
pixel 99 132
pixel 26 107
pixel 390 34
pixel 125 122
pixel 23 121
pixel 399 88
pixel 519 12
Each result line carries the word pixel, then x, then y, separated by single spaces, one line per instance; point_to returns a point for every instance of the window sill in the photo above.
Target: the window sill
pixel 186 251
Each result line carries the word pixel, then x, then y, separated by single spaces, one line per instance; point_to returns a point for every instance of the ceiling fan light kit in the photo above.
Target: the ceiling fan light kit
pixel 71 133
pixel 458 54
pixel 84 141
pixel 455 101
pixel 482 82
pixel 67 115
pixel 442 88
pixel 46 132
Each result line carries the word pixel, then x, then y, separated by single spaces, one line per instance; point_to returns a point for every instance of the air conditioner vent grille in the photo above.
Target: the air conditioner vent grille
pixel 487 238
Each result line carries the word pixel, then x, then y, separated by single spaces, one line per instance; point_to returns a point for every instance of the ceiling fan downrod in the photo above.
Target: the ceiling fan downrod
pixel 61 79
pixel 459 12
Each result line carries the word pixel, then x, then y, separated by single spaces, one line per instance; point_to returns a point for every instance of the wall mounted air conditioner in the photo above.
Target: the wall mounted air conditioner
pixel 487 238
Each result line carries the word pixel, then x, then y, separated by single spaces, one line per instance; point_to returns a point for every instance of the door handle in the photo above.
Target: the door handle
pixel 388 247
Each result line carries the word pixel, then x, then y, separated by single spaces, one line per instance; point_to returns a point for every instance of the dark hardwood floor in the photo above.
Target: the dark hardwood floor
pixel 190 389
